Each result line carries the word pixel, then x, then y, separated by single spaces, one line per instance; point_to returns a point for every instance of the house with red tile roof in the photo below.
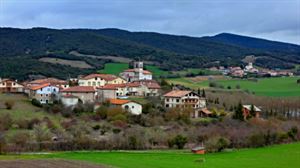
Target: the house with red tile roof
pixel 137 73
pixel 98 80
pixel 185 99
pixel 84 93
pixel 45 93
pixel 10 86
pixel 128 105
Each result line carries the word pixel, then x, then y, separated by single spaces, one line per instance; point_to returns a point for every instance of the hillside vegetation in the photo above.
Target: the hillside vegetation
pixel 169 52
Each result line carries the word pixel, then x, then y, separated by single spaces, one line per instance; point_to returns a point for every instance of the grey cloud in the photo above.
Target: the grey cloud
pixel 273 19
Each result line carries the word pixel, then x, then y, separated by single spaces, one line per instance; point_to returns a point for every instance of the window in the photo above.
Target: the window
pixel 46 95
pixel 98 83
pixel 177 100
pixel 89 83
pixel 94 83
pixel 167 105
pixel 126 107
pixel 96 78
pixel 54 90
pixel 132 107
pixel 167 100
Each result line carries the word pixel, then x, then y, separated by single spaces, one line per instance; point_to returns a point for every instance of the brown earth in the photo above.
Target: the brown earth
pixel 46 164
pixel 72 63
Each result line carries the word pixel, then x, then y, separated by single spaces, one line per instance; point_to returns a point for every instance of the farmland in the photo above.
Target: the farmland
pixel 269 157
pixel 275 87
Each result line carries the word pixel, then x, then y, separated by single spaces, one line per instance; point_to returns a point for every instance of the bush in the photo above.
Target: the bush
pixel 9 104
pixel 102 112
pixel 5 122
pixel 36 103
pixel 179 141
pixel 293 132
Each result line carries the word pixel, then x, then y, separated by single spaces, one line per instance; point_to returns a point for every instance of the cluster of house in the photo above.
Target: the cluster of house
pixel 97 88
pixel 250 69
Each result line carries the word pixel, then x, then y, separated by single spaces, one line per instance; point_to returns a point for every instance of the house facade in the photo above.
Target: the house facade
pixel 129 106
pixel 247 110
pixel 69 100
pixel 86 94
pixel 98 80
pixel 10 86
pixel 185 99
pixel 45 93
pixel 137 73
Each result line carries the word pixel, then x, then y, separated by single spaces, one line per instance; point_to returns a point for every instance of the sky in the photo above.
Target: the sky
pixel 271 19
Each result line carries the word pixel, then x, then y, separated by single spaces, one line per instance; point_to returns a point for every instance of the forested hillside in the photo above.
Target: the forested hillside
pixel 169 52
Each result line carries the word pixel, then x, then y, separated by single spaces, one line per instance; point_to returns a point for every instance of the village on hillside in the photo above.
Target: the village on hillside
pixel 97 89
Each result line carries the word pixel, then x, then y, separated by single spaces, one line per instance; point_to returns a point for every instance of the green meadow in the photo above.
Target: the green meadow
pixel 279 156
pixel 116 68
pixel 275 87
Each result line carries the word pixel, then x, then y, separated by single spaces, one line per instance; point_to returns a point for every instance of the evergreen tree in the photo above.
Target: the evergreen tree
pixel 203 93
pixel 238 114
pixel 252 111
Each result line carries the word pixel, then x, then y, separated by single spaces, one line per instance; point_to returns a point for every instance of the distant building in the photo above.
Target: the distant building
pixel 84 93
pixel 52 81
pixel 98 80
pixel 185 99
pixel 247 109
pixel 44 93
pixel 69 100
pixel 137 73
pixel 10 86
pixel 129 106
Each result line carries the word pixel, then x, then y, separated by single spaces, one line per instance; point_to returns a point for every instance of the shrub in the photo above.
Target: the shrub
pixel 257 140
pixel 212 84
pixel 293 132
pixel 5 122
pixel 36 103
pixel 179 141
pixel 9 104
pixel 102 112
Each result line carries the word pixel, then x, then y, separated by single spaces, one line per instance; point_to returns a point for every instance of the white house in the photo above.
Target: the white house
pixel 137 73
pixel 129 106
pixel 45 93
pixel 185 99
pixel 69 100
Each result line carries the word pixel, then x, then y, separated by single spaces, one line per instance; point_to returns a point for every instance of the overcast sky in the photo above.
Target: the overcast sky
pixel 271 19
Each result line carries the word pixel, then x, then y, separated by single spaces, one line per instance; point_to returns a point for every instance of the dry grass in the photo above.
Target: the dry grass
pixel 72 63
pixel 46 164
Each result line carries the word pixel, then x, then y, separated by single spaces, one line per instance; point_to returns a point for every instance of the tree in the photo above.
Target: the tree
pixel 252 111
pixel 238 114
pixel 298 81
pixel 203 93
pixel 179 141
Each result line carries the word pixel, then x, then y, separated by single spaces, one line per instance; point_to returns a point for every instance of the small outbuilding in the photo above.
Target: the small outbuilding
pixel 200 150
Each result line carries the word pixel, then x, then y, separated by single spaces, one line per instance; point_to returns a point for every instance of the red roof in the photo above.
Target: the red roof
pixel 113 86
pixel 79 89
pixel 39 86
pixel 133 70
pixel 118 101
pixel 116 86
pixel 177 93
pixel 107 77
pixel 52 81
pixel 151 84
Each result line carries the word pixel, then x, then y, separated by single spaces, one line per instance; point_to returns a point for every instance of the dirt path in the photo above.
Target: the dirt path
pixel 46 164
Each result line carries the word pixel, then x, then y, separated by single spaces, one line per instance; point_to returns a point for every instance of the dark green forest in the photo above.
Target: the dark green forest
pixel 20 50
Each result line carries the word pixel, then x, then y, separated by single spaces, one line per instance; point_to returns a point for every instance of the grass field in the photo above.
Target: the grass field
pixel 275 87
pixel 280 156
pixel 23 109
pixel 116 68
